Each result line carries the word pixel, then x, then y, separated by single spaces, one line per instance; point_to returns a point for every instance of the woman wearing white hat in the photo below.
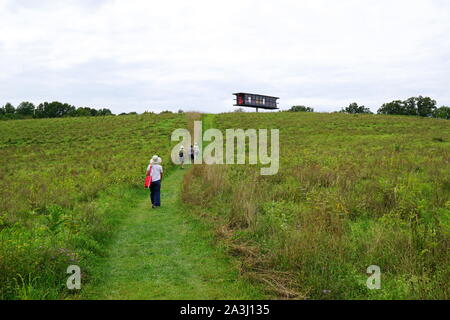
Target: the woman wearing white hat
pixel 181 156
pixel 156 171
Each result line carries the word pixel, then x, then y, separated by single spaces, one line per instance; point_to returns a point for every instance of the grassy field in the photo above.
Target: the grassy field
pixel 167 254
pixel 352 191
pixel 55 176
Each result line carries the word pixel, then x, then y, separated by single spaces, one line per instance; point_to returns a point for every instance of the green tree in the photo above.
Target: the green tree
pixel 9 108
pixel 425 106
pixel 300 109
pixel 40 111
pixel 93 112
pixel 414 106
pixel 54 109
pixel 410 107
pixel 442 112
pixel 59 109
pixel 26 109
pixel 420 106
pixel 104 112
pixel 353 108
pixel 394 107
pixel 83 112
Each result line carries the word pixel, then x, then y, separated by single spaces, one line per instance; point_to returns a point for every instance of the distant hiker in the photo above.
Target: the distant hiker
pixel 196 151
pixel 155 170
pixel 191 151
pixel 181 156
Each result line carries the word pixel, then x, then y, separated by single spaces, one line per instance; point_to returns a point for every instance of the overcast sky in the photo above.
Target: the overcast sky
pixel 137 55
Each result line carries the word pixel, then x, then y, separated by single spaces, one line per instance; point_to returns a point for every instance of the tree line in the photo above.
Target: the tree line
pixel 55 109
pixel 414 106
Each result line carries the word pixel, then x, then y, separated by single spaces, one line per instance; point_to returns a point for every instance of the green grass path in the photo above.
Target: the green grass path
pixel 166 253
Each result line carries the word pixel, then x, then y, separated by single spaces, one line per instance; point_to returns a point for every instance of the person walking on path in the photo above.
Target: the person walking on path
pixel 156 171
pixel 181 156
pixel 196 151
pixel 192 153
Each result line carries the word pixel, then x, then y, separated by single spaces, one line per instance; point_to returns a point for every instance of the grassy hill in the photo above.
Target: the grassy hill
pixel 52 173
pixel 352 191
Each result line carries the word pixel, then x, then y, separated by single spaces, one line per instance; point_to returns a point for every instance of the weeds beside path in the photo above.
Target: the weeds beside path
pixel 167 254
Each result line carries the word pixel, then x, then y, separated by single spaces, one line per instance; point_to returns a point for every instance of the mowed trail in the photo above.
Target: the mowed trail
pixel 167 254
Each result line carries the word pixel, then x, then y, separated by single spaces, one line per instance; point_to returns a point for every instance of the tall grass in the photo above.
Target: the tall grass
pixel 352 191
pixel 55 176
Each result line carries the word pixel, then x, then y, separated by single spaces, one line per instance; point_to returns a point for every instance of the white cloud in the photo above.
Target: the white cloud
pixel 137 54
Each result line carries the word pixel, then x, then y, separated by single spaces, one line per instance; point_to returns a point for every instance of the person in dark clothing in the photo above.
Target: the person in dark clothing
pixel 181 156
pixel 156 171
pixel 192 152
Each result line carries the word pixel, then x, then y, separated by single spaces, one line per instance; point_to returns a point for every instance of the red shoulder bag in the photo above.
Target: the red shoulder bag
pixel 148 179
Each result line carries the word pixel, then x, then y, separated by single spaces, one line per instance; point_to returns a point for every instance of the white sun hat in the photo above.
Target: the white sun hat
pixel 154 159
